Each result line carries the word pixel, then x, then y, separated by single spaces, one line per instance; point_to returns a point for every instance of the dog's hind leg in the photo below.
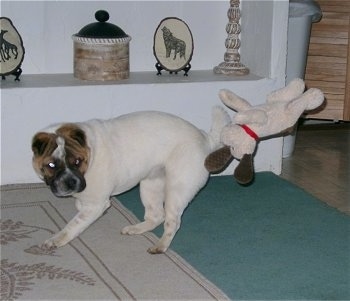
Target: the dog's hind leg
pixel 175 204
pixel 152 197
pixel 181 187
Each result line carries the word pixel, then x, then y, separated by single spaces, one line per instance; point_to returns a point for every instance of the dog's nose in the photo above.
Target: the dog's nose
pixel 72 183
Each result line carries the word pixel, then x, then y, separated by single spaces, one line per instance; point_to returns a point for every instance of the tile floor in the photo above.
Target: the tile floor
pixel 320 163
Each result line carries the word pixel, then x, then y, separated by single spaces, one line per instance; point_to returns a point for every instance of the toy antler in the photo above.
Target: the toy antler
pixel 218 160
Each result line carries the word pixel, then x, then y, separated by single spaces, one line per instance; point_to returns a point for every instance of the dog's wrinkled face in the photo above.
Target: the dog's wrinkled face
pixel 61 159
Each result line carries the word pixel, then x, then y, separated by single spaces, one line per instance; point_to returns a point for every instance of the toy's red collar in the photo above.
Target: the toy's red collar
pixel 249 131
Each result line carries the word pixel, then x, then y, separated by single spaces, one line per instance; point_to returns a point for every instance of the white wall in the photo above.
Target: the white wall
pixel 46 28
pixel 264 37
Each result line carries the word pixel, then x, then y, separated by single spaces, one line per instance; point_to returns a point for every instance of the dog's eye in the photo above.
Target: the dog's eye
pixel 51 165
pixel 77 162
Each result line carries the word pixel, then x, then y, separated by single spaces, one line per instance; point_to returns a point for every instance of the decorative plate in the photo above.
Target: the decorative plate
pixel 11 49
pixel 173 45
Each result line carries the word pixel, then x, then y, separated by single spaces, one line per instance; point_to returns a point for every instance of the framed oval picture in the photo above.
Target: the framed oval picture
pixel 11 49
pixel 173 45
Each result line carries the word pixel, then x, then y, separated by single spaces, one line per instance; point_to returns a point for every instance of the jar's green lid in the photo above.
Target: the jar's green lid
pixel 101 29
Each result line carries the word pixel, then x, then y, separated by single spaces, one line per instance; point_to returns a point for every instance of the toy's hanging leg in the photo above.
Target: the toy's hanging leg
pixel 244 172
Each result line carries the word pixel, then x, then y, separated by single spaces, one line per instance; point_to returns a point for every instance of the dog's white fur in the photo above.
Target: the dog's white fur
pixel 162 152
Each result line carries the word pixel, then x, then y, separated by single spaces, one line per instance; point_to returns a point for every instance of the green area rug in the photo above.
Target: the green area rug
pixel 270 240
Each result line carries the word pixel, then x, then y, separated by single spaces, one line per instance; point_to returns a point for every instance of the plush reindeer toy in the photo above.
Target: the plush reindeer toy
pixel 252 123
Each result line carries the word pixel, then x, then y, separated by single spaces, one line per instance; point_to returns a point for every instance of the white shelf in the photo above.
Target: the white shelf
pixel 136 78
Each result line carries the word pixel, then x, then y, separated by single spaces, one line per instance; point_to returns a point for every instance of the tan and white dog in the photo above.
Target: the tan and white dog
pixel 97 159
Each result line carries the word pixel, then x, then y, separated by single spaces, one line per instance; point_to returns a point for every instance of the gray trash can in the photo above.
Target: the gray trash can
pixel 302 13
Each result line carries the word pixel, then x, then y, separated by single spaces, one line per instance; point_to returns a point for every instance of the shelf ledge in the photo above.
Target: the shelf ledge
pixel 136 78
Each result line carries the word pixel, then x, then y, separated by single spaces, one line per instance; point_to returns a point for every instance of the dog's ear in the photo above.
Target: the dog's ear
pixel 244 172
pixel 43 141
pixel 218 160
pixel 72 131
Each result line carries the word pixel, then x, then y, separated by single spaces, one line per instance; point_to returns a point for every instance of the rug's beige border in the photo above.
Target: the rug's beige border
pixel 100 264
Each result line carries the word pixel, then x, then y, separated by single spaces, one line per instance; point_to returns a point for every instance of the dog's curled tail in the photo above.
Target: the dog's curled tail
pixel 220 118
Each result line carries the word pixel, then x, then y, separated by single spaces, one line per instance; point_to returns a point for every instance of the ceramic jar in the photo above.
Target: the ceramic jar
pixel 101 51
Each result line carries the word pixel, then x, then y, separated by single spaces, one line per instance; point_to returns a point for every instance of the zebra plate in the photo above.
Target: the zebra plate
pixel 11 48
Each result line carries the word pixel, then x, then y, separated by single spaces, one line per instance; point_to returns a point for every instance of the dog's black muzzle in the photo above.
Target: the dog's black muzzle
pixel 66 183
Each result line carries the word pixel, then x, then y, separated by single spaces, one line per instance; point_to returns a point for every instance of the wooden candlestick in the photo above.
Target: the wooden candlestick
pixel 231 64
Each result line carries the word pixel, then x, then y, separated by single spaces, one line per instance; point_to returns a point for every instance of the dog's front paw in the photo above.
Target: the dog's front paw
pixel 49 244
pixel 58 240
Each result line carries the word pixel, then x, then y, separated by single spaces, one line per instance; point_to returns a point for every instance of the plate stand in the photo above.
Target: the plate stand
pixel 186 68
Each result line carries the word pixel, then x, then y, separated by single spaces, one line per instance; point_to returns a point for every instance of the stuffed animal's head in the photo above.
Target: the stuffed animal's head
pixel 251 123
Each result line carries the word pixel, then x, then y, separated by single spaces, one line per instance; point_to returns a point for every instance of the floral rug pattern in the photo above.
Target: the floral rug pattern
pixel 17 278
